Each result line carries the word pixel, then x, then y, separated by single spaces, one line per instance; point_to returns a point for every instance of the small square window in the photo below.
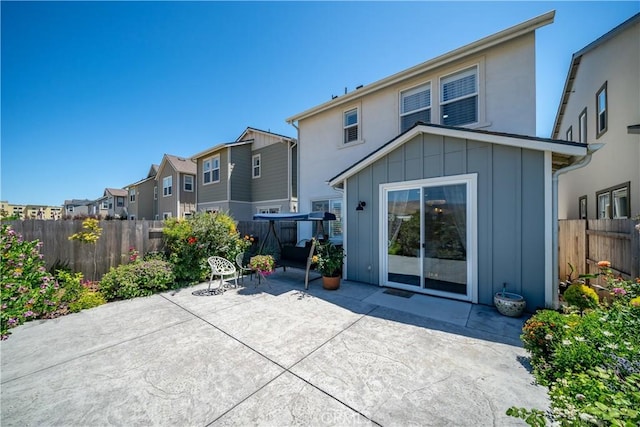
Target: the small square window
pixel 188 183
pixel 351 125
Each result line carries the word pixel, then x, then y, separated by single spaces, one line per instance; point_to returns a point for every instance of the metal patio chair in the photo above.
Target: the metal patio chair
pixel 243 267
pixel 221 267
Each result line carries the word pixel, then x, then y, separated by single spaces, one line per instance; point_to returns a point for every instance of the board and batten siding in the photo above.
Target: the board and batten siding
pixel 274 170
pixel 510 210
pixel 241 173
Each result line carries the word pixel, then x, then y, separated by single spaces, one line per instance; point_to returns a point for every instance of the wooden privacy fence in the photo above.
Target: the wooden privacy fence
pixel 585 242
pixel 112 248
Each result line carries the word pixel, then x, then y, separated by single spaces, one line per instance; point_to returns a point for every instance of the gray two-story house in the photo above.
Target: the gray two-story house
pixel 142 198
pixel 176 187
pixel 256 173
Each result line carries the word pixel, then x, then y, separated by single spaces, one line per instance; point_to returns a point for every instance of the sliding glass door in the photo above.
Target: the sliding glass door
pixel 430 235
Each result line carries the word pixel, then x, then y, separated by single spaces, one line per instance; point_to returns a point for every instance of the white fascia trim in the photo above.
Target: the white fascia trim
pixel 549 276
pixel 537 145
pixel 454 55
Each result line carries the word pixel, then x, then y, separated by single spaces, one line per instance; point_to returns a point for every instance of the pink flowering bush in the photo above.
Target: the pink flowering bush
pixel 28 290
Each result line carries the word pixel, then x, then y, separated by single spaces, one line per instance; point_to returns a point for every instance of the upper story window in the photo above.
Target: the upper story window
pixel 119 201
pixel 188 183
pixel 601 109
pixel 614 202
pixel 132 195
pixel 167 186
pixel 256 166
pixel 459 97
pixel 570 134
pixel 415 106
pixel 105 204
pixel 155 192
pixel 211 170
pixel 582 127
pixel 351 125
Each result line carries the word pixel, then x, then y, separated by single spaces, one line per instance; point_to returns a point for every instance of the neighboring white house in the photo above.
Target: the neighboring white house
pixel 488 84
pixel 601 104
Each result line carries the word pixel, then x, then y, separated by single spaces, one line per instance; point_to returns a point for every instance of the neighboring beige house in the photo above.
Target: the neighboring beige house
pixel 176 186
pixel 142 197
pixel 601 105
pixel 489 84
pixel 254 174
pixel 99 207
pixel 115 202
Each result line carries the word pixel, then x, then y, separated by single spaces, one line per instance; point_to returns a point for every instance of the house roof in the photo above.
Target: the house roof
pixel 244 134
pixel 220 147
pixel 575 64
pixel 77 202
pixel 153 171
pixel 454 55
pixel 179 164
pixel 115 192
pixel 563 151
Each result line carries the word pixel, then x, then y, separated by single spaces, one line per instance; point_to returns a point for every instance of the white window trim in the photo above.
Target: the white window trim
pixel 259 209
pixel 477 94
pixel 569 134
pixel 360 139
pixel 582 129
pixel 168 193
pixel 192 183
pixel 600 130
pixel 166 215
pixel 253 166
pixel 471 180
pixel 415 88
pixel 211 159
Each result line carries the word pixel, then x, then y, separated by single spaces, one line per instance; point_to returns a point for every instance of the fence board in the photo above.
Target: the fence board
pixel 585 242
pixel 117 238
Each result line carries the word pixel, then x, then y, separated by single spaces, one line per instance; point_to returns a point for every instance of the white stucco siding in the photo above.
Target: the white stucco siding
pixel 510 87
pixel 616 62
pixel 506 85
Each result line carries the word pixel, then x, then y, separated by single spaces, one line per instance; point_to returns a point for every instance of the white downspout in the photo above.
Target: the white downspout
pixel 582 162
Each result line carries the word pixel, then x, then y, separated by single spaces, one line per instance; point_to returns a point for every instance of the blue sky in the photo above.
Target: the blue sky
pixel 93 93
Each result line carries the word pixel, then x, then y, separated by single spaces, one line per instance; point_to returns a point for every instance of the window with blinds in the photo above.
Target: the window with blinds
pixel 601 106
pixel 459 98
pixel 351 125
pixel 415 106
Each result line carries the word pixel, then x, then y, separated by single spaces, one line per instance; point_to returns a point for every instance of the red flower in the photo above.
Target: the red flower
pixel 191 240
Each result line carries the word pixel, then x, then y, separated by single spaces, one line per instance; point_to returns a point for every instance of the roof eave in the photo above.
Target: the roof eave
pixel 472 48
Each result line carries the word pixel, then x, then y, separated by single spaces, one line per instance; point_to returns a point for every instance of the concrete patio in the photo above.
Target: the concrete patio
pixel 273 355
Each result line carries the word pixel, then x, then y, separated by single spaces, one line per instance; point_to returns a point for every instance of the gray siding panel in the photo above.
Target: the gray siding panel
pixel 510 209
pixel 215 191
pixel 274 176
pixel 241 181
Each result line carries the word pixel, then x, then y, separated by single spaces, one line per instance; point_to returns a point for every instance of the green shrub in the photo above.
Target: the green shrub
pixel 27 289
pixel 137 279
pixel 87 299
pixel 591 363
pixel 70 285
pixel 192 240
pixel 581 296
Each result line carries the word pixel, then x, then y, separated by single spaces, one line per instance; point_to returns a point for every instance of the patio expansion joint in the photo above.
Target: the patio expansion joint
pixel 97 350
pixel 284 368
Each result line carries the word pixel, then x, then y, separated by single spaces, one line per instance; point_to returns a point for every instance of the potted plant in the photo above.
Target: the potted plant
pixel 262 264
pixel 509 303
pixel 329 259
